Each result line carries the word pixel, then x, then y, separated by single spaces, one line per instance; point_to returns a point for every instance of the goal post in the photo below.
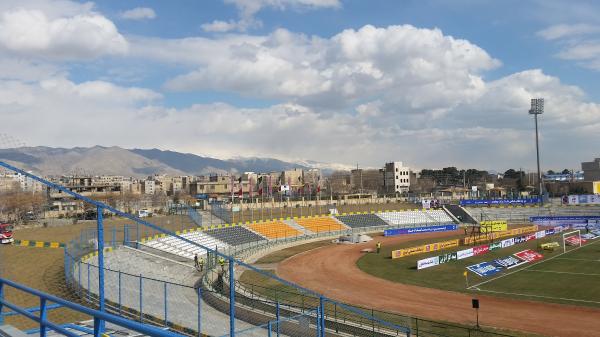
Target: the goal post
pixel 567 235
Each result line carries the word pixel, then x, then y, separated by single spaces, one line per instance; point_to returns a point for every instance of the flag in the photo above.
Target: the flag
pixel 260 191
pixel 318 189
pixel 250 188
pixel 240 192
pixel 465 273
pixel 240 180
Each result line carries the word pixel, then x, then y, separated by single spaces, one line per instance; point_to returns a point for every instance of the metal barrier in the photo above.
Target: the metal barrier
pixel 45 303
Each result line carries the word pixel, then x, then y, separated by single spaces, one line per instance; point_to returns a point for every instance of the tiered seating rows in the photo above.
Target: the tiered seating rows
pixel 318 225
pixel 184 249
pixel 361 220
pixel 416 217
pixel 235 235
pixel 274 230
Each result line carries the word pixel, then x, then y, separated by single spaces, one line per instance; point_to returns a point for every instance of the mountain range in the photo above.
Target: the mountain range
pixel 99 160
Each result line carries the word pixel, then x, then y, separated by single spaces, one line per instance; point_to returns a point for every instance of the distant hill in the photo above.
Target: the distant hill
pixel 100 160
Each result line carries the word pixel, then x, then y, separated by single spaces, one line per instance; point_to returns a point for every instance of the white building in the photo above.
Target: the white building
pixel 396 177
pixel 148 187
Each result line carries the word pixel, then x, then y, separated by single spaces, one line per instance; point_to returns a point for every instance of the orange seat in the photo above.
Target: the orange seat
pixel 274 230
pixel 318 225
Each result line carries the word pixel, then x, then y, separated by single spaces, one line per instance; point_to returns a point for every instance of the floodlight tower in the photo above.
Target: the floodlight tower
pixel 537 108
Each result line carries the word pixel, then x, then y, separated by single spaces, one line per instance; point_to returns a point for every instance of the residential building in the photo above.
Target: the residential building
pixel 591 170
pixel 397 177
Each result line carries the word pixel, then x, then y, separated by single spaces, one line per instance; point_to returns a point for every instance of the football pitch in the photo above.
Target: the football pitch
pixel 568 278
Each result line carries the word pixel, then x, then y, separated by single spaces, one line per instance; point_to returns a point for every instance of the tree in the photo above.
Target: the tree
pixel 566 171
pixel 551 172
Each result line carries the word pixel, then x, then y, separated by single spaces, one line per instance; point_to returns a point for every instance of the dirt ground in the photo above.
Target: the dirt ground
pixel 332 271
pixel 43 269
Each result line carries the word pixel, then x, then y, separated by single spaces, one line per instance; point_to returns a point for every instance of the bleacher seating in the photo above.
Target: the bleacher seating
pixel 321 224
pixel 362 220
pixel 274 230
pixel 181 248
pixel 235 235
pixel 416 218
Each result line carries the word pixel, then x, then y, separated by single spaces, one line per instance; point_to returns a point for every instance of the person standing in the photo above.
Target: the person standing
pixel 196 261
pixel 222 263
pixel 378 246
pixel 201 263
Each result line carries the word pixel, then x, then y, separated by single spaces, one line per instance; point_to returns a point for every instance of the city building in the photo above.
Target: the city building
pixel 397 177
pixel 591 170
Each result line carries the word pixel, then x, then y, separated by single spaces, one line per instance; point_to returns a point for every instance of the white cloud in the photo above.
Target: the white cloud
pixel 565 30
pixel 249 8
pixel 35 33
pixel 399 63
pixel 139 13
pixel 579 43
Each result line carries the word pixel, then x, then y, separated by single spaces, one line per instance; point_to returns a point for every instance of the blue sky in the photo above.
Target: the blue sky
pixel 431 83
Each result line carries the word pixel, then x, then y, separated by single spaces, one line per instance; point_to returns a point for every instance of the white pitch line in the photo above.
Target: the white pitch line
pixel 574 259
pixel 560 272
pixel 540 296
pixel 535 264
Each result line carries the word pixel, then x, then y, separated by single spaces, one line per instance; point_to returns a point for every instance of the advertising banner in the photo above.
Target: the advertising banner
pixel 562 220
pixel 480 250
pixel 448 257
pixel 520 239
pixel 529 255
pixel 485 202
pixel 495 245
pixel 584 199
pixel 589 236
pixel 509 262
pixel 424 248
pixel 549 231
pixel 508 242
pixel 530 237
pixel 574 241
pixel 463 254
pixel 483 269
pixel 493 226
pixel 428 262
pixel 417 230
pixel 540 234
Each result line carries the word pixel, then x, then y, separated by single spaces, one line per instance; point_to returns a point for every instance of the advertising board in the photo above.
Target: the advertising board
pixel 424 248
pixel 495 245
pixel 508 242
pixel 483 269
pixel 428 262
pixel 540 234
pixel 529 255
pixel 480 250
pixel 417 230
pixel 448 257
pixel 509 262
pixel 483 202
pixel 463 254
pixel 493 226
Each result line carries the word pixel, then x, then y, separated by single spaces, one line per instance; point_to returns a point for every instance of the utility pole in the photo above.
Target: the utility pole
pixel 537 108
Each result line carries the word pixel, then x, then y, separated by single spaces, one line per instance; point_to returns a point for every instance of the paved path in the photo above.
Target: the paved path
pixel 182 299
pixel 332 271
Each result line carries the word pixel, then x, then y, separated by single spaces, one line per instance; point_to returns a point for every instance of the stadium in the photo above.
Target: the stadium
pixel 321 275
pixel 299 168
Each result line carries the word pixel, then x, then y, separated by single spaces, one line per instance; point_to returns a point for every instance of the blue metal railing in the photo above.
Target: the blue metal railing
pixel 101 207
pixel 45 324
pixel 195 216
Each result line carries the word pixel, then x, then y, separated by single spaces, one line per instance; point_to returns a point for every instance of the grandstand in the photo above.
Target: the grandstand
pixel 321 224
pixel 362 220
pixel 416 218
pixel 522 214
pixel 234 235
pixel 184 249
pixel 274 229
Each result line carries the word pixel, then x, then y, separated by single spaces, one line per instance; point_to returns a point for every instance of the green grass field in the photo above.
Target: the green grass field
pixel 569 278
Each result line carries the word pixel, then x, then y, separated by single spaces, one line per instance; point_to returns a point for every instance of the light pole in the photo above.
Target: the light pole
pixel 537 108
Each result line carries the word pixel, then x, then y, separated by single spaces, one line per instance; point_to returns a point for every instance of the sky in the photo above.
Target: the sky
pixel 429 83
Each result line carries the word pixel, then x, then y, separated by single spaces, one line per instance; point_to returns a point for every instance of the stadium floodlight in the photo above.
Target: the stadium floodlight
pixel 537 108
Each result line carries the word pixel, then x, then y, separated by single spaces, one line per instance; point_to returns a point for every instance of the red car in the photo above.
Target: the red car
pixel 6 233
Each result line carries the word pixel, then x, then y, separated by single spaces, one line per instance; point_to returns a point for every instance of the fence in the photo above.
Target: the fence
pixel 184 307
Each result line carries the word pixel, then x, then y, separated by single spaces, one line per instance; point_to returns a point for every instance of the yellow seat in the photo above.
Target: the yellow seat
pixel 274 230
pixel 323 224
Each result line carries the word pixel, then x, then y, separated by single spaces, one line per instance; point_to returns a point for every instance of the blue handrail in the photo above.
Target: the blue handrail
pixel 97 315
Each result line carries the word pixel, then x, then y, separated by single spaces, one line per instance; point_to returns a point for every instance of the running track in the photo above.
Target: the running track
pixel 332 271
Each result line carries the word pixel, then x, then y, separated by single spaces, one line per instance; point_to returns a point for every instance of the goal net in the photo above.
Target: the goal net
pixel 571 240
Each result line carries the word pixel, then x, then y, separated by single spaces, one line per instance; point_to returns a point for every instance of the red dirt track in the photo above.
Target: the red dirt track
pixel 332 271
